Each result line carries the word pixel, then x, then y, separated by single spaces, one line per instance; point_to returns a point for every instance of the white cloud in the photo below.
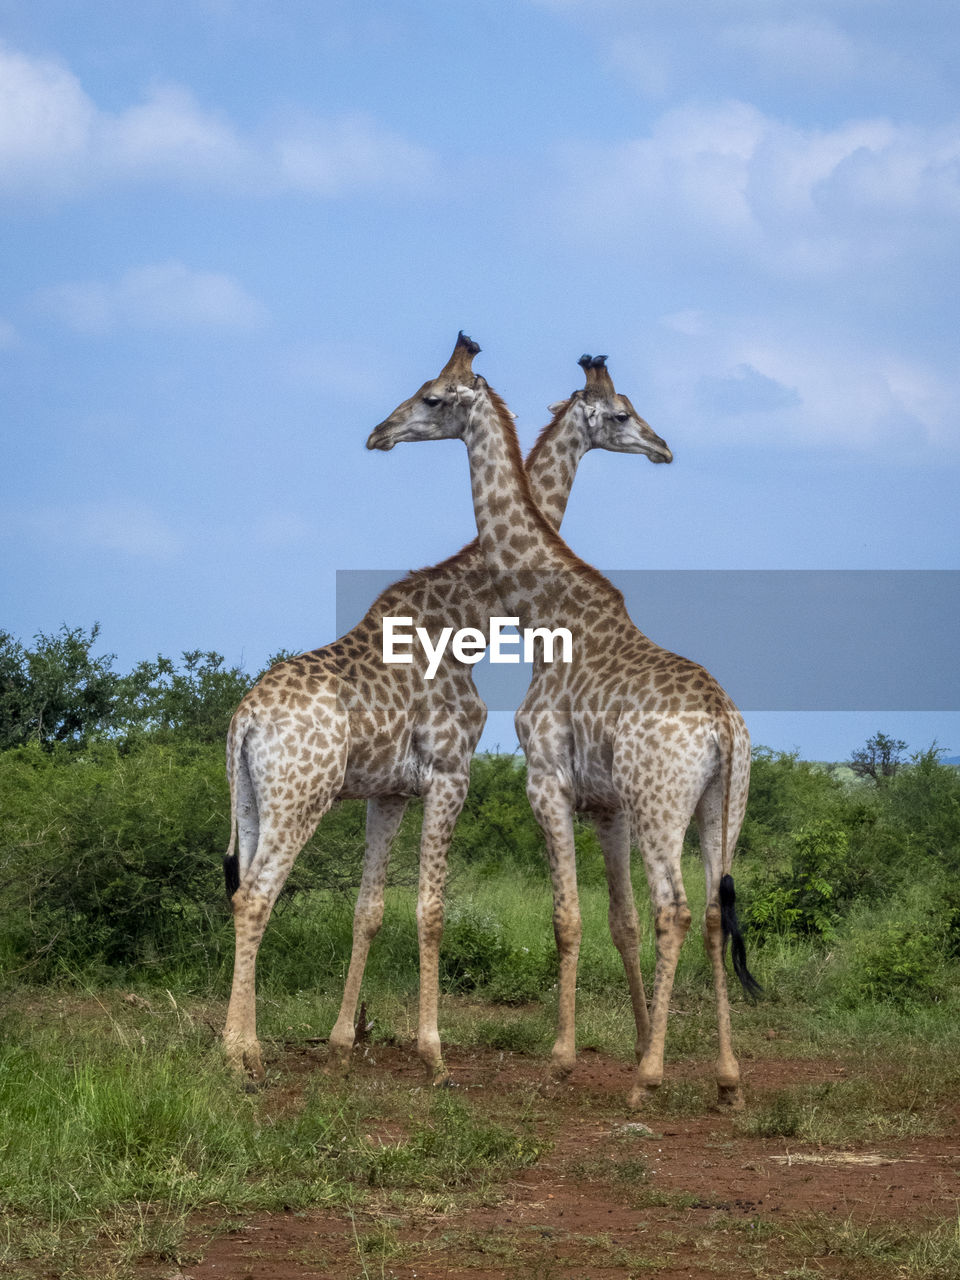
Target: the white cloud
pixel 127 528
pixel 46 125
pixel 768 380
pixel 55 141
pixel 745 390
pixel 329 158
pixel 164 296
pixel 170 136
pixel 797 201
pixel 692 322
pixel 799 47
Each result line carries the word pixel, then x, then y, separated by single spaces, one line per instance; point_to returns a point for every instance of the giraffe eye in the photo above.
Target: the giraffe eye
pixel 432 401
pixel 621 417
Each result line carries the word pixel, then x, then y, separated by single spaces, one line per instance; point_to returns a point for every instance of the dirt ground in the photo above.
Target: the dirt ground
pixel 705 1200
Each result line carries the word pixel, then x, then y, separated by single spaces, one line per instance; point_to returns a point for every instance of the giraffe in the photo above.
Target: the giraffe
pixel 337 722
pixel 638 737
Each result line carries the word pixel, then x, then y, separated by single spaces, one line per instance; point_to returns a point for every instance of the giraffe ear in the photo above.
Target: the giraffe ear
pixel 554 409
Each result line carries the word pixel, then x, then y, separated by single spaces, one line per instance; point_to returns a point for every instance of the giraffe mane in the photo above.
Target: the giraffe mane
pixel 470 550
pixel 570 558
pixel 541 439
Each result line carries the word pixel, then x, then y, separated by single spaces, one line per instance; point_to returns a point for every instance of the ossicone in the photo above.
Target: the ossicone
pixel 459 366
pixel 597 377
pixel 472 348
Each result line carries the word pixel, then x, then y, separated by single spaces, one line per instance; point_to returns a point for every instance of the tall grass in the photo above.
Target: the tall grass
pixel 113 1132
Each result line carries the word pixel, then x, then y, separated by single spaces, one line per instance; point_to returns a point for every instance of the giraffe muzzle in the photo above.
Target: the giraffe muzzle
pixel 380 438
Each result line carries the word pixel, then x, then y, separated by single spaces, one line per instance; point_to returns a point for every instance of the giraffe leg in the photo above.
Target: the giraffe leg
pixel 709 820
pixel 552 808
pixel 671 920
pixel 728 1069
pixel 383 819
pixel 441 808
pixel 252 904
pixel 614 835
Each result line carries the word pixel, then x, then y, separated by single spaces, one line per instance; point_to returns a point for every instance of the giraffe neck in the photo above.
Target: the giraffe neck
pixel 513 533
pixel 552 464
pixel 551 468
pixel 533 571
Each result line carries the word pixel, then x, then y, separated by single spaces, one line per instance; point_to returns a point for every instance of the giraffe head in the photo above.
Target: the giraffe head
pixel 439 410
pixel 607 420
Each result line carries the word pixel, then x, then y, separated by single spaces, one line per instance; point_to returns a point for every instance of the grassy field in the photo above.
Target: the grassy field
pixel 121 1129
pixel 126 1150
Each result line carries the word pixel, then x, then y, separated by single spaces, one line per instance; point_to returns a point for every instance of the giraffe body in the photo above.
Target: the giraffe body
pixel 338 722
pixel 641 739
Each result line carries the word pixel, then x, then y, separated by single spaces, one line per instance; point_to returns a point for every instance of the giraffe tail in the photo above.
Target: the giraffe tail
pixel 729 923
pixel 731 933
pixel 231 859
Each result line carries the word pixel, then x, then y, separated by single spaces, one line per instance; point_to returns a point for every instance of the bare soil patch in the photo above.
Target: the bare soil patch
pixel 694 1197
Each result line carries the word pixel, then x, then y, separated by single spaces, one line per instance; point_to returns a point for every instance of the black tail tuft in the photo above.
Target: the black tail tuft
pixel 231 873
pixel 731 930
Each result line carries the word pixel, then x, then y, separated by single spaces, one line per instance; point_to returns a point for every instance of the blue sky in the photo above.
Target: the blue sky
pixel 235 233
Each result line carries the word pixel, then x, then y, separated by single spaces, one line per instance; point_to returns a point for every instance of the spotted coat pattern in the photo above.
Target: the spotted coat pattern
pixel 640 738
pixel 337 722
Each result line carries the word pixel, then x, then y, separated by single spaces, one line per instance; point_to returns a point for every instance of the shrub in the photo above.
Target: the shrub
pixel 497 825
pixel 786 793
pixel 920 807
pixel 523 976
pixel 810 897
pixel 110 857
pixel 56 692
pixel 894 953
pixel 472 950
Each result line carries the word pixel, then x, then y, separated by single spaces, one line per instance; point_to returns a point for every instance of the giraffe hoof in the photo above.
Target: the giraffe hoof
pixel 245 1062
pixel 338 1061
pixel 253 1063
pixel 640 1095
pixel 436 1072
pixel 730 1097
pixel 561 1068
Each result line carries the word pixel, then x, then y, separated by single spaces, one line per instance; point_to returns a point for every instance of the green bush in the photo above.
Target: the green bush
pixel 786 793
pixel 112 857
pixel 56 692
pixel 193 702
pixel 920 809
pixel 497 826
pixel 894 954
pixel 812 894
pixel 524 975
pixel 472 950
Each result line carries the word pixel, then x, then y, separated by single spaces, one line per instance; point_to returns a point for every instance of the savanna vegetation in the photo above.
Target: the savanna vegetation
pixel 117 1121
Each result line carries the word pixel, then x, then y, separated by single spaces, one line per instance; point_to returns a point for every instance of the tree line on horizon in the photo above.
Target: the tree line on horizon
pixel 57 692
pixel 114 816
